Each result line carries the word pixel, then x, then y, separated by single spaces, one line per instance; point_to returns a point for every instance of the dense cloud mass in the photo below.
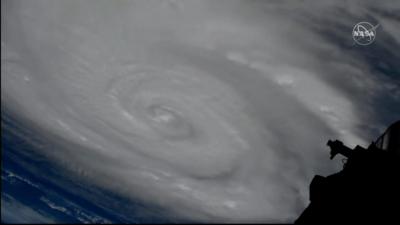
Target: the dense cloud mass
pixel 216 110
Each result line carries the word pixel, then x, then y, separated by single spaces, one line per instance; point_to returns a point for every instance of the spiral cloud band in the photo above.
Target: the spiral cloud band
pixel 215 110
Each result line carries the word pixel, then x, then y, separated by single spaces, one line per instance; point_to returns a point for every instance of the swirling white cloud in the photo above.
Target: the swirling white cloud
pixel 217 110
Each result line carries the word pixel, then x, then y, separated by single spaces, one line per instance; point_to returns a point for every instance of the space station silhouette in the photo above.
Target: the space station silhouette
pixel 366 190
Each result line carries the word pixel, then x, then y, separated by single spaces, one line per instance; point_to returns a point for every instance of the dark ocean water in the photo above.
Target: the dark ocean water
pixel 34 190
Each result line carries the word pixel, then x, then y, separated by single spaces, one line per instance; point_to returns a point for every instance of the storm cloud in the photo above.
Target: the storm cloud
pixel 215 110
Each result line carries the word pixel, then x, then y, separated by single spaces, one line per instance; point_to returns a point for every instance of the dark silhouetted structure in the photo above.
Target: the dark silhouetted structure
pixel 366 190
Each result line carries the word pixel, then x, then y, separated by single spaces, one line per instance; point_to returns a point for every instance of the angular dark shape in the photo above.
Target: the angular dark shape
pixel 366 190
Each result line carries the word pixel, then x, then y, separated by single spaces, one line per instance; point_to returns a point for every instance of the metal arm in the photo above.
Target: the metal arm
pixel 337 147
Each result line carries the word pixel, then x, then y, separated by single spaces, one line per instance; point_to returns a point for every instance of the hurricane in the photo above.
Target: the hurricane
pixel 213 110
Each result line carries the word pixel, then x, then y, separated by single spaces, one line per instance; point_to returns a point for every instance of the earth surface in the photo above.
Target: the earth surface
pixel 185 111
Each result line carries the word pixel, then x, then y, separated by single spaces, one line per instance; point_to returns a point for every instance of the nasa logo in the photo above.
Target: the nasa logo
pixel 364 33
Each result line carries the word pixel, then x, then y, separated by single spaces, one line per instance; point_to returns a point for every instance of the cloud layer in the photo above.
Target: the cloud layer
pixel 216 110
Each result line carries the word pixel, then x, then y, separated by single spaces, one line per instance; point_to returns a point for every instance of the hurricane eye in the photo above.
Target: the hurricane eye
pixel 168 122
pixel 187 118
